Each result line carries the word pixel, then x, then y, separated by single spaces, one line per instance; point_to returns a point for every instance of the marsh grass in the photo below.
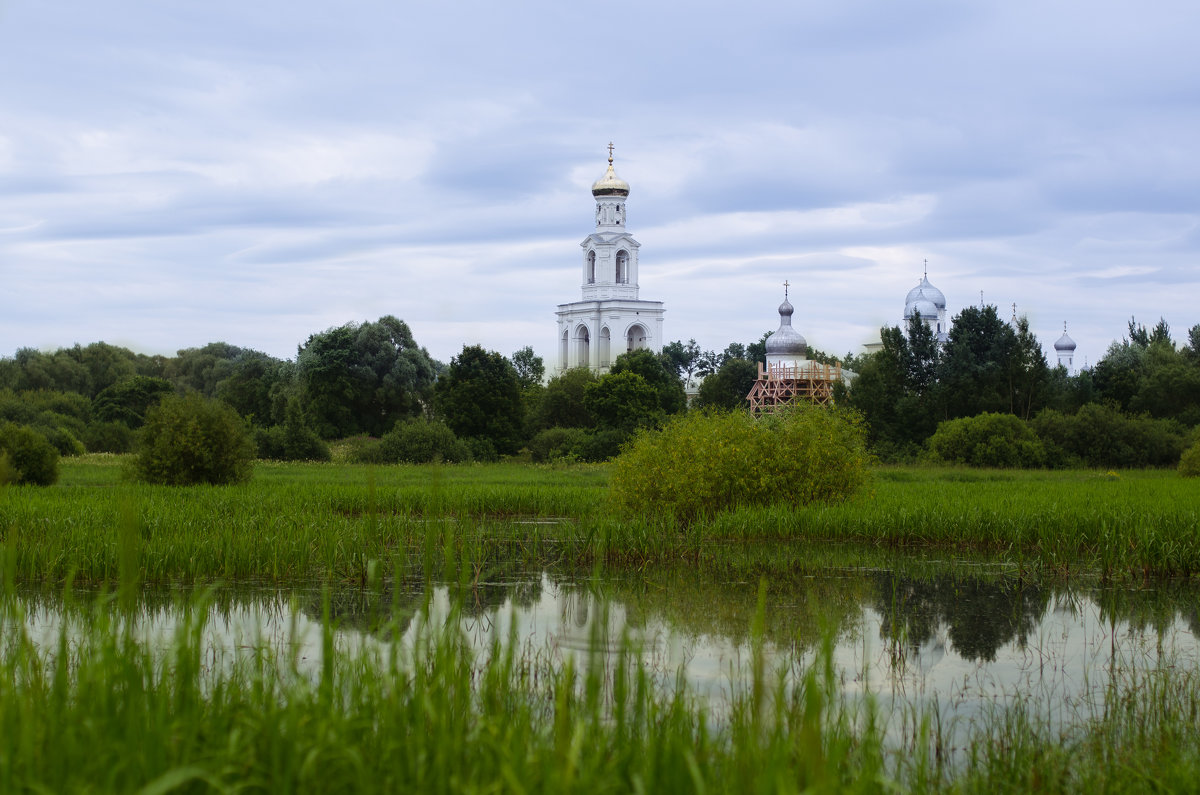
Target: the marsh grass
pixel 297 521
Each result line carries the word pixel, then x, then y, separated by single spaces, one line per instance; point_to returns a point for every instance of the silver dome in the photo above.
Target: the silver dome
pixel 931 292
pixel 786 341
pixel 921 307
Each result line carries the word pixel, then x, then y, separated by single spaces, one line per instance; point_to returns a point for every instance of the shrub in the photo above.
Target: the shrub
pixel 27 456
pixel 422 442
pixel 193 439
pixel 599 444
pixel 108 437
pixel 554 444
pixel 1100 436
pixel 701 463
pixel 1189 462
pixel 988 440
pixel 290 443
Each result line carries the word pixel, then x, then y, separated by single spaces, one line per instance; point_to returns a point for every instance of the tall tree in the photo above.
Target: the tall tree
pixel 671 397
pixel 479 397
pixel 529 366
pixel 363 378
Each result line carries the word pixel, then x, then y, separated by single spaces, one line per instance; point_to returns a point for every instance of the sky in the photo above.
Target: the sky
pixel 174 174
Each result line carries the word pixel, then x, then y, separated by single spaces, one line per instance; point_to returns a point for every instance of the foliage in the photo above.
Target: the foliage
pixel 729 386
pixel 702 463
pixel 479 397
pixel 363 378
pixel 1100 435
pixel 1189 462
pixel 108 437
pixel 419 441
pixel 561 404
pixel 988 440
pixel 623 401
pixel 193 439
pixel 556 444
pixel 682 359
pixel 657 373
pixel 128 400
pixel 26 456
pixel 529 366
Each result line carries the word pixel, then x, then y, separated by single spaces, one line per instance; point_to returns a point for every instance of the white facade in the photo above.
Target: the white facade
pixel 610 319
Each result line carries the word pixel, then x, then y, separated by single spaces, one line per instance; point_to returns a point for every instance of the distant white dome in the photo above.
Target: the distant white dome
pixel 921 307
pixel 786 341
pixel 930 292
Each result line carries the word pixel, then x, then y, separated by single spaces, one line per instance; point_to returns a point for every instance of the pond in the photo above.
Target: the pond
pixel 958 638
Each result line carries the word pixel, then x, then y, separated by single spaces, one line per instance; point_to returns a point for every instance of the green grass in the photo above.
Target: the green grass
pixel 297 521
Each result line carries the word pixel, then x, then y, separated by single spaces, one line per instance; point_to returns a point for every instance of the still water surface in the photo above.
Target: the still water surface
pixel 962 641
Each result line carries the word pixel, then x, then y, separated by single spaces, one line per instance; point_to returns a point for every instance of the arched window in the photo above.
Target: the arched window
pixel 591 267
pixel 622 267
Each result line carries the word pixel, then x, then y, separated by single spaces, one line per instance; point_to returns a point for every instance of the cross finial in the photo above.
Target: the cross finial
pixel 785 288
pixel 981 299
pixel 610 148
pixel 1014 308
pixel 927 268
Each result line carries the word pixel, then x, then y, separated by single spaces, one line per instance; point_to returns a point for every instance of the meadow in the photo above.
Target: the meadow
pixel 96 706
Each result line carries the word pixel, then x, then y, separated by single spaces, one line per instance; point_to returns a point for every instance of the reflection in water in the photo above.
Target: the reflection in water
pixel 959 642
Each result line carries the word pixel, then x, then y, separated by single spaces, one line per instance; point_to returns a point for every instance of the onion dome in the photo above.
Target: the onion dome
pixel 610 184
pixel 921 306
pixel 786 341
pixel 1064 343
pixel 932 293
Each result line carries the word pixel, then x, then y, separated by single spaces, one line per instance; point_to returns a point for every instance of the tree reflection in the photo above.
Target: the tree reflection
pixel 979 615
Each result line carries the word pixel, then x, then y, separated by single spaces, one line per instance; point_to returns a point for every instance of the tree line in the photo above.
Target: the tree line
pixel 373 388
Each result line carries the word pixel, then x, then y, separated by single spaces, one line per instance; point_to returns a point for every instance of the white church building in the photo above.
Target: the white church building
pixel 610 319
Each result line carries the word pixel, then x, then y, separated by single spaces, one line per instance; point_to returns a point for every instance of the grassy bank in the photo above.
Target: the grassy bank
pixel 338 521
pixel 98 708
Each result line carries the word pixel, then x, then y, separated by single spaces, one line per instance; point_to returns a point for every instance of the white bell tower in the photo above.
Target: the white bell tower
pixel 610 319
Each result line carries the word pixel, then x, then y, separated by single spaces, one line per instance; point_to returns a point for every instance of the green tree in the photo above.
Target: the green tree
pixel 127 401
pixel 623 401
pixel 657 373
pixel 26 456
pixel 561 403
pixel 682 358
pixel 479 397
pixel 529 366
pixel 974 371
pixel 193 439
pixel 729 386
pixel 363 378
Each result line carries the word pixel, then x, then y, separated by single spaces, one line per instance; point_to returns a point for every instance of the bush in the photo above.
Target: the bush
pixel 701 463
pixel 1101 436
pixel 284 443
pixel 555 444
pixel 988 440
pixel 193 439
pixel 422 442
pixel 108 437
pixel 599 444
pixel 26 456
pixel 1189 462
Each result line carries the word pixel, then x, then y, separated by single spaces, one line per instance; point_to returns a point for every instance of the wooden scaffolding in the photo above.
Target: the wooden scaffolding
pixel 781 384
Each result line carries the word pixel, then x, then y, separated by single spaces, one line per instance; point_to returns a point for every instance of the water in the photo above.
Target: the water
pixel 959 640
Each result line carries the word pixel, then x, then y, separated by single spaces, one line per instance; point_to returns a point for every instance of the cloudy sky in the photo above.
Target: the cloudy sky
pixel 177 173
